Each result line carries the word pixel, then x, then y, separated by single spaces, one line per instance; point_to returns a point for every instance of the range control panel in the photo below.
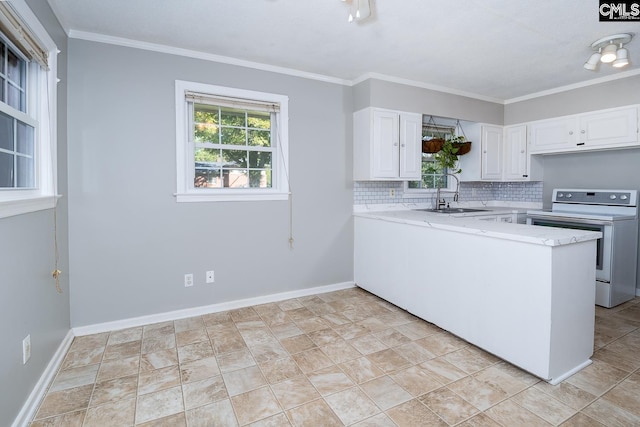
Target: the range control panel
pixel 596 197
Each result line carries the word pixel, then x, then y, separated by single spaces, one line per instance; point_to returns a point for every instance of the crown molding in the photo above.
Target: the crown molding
pixel 154 47
pixel 423 85
pixel 586 83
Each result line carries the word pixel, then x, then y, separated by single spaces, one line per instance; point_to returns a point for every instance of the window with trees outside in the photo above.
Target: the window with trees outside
pixel 433 176
pixel 233 144
pixel 28 102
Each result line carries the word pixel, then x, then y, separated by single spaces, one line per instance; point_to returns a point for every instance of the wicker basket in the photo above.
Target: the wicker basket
pixel 463 147
pixel 433 145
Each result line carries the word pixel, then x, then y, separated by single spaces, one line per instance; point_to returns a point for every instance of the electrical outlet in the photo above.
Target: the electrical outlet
pixel 392 192
pixel 26 349
pixel 188 280
pixel 210 277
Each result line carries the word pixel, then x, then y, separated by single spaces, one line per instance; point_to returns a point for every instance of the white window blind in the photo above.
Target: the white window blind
pixel 225 101
pixel 18 33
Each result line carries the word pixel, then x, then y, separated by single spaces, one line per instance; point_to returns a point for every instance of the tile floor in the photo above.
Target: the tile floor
pixel 341 358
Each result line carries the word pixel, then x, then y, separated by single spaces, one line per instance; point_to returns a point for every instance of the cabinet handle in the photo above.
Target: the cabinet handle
pixel 580 143
pixel 582 131
pixel 522 151
pixel 402 145
pixel 570 132
pixel 525 176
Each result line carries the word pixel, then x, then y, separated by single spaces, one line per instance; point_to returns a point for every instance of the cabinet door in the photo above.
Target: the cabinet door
pixel 410 146
pixel 515 153
pixel 553 135
pixel 385 144
pixel 491 147
pixel 610 128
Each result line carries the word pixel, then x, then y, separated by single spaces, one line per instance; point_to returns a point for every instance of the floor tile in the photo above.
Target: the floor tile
pixel 313 414
pixel 236 360
pixel 330 380
pixel 228 342
pixel 626 395
pixel 118 368
pixel 277 420
pixel 158 379
pixel 114 389
pixel 286 330
pixel 159 404
pixel 340 351
pixel 190 323
pixel 388 360
pixel 280 369
pixel 567 393
pixel 294 392
pixel 480 420
pixel 297 344
pixel 581 420
pixel 196 351
pixel 218 413
pixel 416 380
pixel 69 400
pixel 509 413
pixel 480 394
pixel 175 420
pixel 117 413
pixel 441 343
pixel 159 359
pixel 75 359
pixel 255 405
pixel 414 353
pixel 418 329
pixel 154 343
pixel 380 420
pixel 243 380
pixel 368 344
pixel 611 414
pixel 597 378
pixel 352 405
pixel 89 342
pixel 312 360
pixel 500 379
pixel 361 370
pixel 191 336
pixel 70 419
pixel 468 360
pixel 385 393
pixel 199 369
pixel 442 370
pixel 448 405
pixel 203 392
pixel 75 377
pixel 546 407
pixel 123 350
pixel 392 337
pixel 413 413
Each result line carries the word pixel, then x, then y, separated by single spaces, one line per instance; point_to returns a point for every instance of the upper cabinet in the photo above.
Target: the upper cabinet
pixel 491 152
pixel 387 145
pixel 599 130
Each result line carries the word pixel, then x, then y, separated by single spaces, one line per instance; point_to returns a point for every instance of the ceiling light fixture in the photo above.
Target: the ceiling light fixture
pixel 609 50
pixel 358 10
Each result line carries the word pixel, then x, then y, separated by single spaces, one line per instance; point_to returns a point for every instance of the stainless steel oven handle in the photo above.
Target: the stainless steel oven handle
pixel 566 220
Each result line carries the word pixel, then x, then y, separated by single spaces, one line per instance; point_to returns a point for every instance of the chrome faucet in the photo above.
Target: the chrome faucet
pixel 440 203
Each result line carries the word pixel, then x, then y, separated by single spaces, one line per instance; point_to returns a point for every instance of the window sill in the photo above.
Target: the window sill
pixel 27 205
pixel 229 197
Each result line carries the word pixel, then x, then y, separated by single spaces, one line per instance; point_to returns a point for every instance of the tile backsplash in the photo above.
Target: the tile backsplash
pixel 379 192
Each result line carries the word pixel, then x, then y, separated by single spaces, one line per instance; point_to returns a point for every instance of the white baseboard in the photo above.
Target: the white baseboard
pixel 31 405
pixel 197 311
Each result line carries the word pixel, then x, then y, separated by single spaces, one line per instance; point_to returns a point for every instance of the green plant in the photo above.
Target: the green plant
pixel 447 157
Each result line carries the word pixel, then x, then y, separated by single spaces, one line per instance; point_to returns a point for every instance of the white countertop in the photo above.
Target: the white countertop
pixel 462 223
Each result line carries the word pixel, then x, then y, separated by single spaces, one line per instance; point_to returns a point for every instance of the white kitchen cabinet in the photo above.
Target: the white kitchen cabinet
pixel 491 149
pixel 598 130
pixel 515 153
pixel 609 129
pixel 552 135
pixel 387 145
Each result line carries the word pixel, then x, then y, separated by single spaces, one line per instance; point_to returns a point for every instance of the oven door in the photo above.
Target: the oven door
pixel 603 244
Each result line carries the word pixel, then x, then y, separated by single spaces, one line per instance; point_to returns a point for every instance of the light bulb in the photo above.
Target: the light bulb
pixel 621 58
pixel 609 54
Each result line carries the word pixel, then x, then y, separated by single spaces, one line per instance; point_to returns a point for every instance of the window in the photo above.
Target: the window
pixel 231 144
pixel 27 112
pixel 433 176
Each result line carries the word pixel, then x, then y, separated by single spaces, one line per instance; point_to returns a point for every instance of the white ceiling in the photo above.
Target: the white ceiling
pixel 494 49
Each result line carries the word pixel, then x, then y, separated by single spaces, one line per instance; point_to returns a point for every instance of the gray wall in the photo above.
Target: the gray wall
pixel 131 243
pixel 29 302
pixel 602 169
pixel 384 94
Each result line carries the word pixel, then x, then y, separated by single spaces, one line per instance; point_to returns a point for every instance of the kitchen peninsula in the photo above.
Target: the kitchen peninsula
pixel 523 293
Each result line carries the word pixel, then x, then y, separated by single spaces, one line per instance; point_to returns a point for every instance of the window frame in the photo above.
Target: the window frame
pixel 41 110
pixel 185 150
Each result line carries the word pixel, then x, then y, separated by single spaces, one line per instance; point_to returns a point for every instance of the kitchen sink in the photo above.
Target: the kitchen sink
pixel 452 210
